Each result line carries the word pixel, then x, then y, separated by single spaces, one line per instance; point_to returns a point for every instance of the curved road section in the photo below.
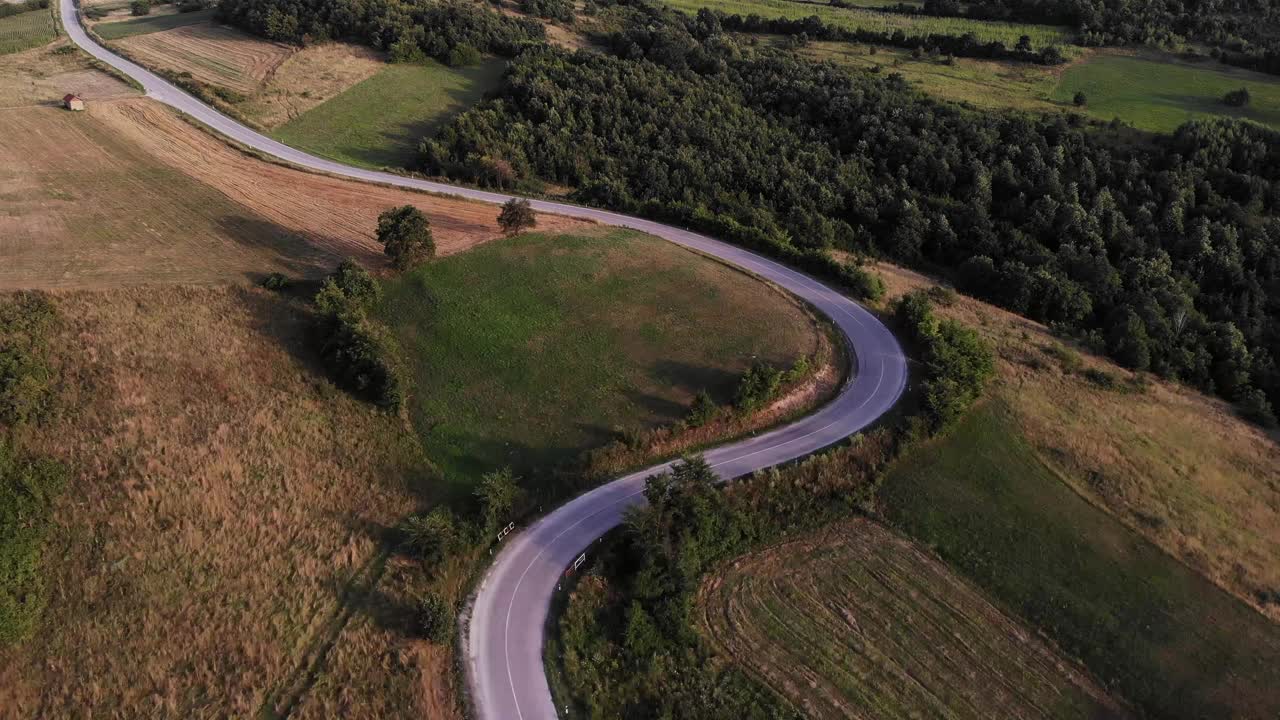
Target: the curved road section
pixel 507 624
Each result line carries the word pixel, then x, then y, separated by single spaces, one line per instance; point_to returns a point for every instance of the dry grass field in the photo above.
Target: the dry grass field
pixel 307 78
pixel 225 498
pixel 128 193
pixel 1170 463
pixel 212 54
pixel 41 76
pixel 857 622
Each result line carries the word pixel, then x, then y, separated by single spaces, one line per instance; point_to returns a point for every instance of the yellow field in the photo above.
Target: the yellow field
pixel 210 53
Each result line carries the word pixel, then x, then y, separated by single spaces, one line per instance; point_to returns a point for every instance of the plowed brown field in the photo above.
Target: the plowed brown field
pixel 212 53
pixel 856 622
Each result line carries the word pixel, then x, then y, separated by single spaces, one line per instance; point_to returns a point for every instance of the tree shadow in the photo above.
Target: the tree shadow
pixel 695 378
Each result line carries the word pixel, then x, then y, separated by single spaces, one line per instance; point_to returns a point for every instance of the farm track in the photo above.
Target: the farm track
pixel 507 620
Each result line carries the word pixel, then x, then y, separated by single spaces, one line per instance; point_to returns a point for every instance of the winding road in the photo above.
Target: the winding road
pixel 507 624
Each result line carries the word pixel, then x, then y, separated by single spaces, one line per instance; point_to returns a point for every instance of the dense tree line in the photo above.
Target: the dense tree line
pixel 965 45
pixel 1243 32
pixel 454 31
pixel 1166 254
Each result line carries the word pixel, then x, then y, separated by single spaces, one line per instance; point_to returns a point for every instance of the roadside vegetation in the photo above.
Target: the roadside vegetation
pixel 627 639
pixel 33 27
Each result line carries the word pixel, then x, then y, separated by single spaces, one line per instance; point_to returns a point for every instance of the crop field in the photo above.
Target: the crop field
pixel 150 24
pixel 211 53
pixel 867 19
pixel 224 498
pixel 26 30
pixel 380 121
pixel 856 621
pixel 1155 631
pixel 1172 465
pixel 527 351
pixel 1159 92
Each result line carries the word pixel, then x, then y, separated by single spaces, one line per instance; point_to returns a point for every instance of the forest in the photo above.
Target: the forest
pixel 1164 254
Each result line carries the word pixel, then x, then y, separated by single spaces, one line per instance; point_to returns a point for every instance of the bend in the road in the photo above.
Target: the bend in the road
pixel 507 625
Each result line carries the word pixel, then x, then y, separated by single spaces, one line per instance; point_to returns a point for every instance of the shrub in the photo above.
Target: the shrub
pixel 561 10
pixel 462 56
pixel 275 281
pixel 517 215
pixel 435 618
pixel 432 537
pixel 758 386
pixel 27 492
pixel 360 354
pixel 1237 98
pixel 1254 407
pixel 702 411
pixel 499 494
pixel 862 283
pixel 26 380
pixel 1101 378
pixel 1080 100
pixel 405 235
pixel 138 8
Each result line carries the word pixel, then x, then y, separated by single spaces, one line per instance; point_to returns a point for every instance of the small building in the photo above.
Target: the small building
pixel 73 102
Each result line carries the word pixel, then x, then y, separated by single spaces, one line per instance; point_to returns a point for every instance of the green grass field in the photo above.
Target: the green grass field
pixel 27 30
pixel 1161 93
pixel 145 24
pixel 380 121
pixel 1148 627
pixel 983 83
pixel 529 350
pixel 857 18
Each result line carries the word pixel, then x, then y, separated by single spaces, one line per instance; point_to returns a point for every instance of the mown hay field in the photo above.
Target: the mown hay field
pixel 210 53
pixel 120 29
pixel 856 621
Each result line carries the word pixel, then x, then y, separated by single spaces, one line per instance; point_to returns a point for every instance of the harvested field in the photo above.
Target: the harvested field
pixel 82 206
pixel 1173 465
pixel 118 29
pixel 309 77
pixel 42 76
pixel 128 193
pixel 336 214
pixel 210 53
pixel 225 498
pixel 856 622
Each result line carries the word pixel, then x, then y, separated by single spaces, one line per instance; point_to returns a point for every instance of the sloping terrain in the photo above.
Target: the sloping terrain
pixel 857 622
pixel 210 53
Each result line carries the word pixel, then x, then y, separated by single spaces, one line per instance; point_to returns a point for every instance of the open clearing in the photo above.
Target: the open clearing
pixel 210 53
pixel 527 351
pixel 856 622
pixel 43 75
pixel 1150 628
pixel 380 121
pixel 866 19
pixel 224 497
pixel 26 30
pixel 1159 92
pixel 128 193
pixel 1170 463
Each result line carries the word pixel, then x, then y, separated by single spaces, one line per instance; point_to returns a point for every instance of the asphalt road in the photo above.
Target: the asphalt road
pixel 506 627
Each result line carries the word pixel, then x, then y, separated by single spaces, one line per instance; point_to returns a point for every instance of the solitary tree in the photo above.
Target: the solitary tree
pixel 405 234
pixel 498 494
pixel 516 216
pixel 1024 44
pixel 1080 100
